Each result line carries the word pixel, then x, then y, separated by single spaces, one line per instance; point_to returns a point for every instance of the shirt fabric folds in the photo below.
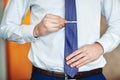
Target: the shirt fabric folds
pixel 47 52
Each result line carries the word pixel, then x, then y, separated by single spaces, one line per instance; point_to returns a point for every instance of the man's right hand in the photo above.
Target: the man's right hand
pixel 50 23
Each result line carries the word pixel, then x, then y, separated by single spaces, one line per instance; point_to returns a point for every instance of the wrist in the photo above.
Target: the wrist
pixel 100 47
pixel 36 32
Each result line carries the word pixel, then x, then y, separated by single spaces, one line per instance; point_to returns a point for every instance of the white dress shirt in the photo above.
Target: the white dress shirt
pixel 47 52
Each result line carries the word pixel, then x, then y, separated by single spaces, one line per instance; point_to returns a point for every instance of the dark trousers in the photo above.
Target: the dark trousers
pixel 37 76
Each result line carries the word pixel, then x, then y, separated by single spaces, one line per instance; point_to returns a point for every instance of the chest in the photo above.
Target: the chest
pixel 46 4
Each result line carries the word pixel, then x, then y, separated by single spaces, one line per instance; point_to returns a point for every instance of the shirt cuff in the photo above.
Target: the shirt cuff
pixel 108 43
pixel 27 33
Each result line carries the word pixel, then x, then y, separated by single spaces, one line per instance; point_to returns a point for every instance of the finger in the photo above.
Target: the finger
pixel 53 16
pixel 83 59
pixel 74 54
pixel 83 63
pixel 57 21
pixel 56 26
pixel 53 29
pixel 50 25
pixel 75 58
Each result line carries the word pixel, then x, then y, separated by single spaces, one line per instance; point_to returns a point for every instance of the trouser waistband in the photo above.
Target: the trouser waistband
pixel 62 75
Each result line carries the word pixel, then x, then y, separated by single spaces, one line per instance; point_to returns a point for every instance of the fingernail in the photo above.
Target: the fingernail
pixel 65 21
pixel 67 58
pixel 67 63
pixel 78 66
pixel 71 66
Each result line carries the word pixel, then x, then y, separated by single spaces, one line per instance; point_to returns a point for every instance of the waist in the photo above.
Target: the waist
pixel 53 64
pixel 62 75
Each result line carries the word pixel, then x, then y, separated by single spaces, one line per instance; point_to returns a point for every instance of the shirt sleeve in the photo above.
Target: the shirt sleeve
pixel 11 28
pixel 111 10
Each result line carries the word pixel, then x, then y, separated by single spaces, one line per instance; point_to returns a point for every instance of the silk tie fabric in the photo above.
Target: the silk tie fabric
pixel 70 34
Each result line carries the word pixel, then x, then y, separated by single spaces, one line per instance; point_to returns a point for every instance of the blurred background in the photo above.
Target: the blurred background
pixel 14 64
pixel 2 50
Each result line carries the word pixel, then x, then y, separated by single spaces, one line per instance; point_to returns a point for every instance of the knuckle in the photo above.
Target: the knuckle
pixel 47 15
pixel 82 54
pixel 58 25
pixel 84 48
pixel 87 53
pixel 55 30
pixel 78 57
pixel 58 16
pixel 48 29
pixel 72 60
pixel 46 24
pixel 84 63
pixel 89 58
pixel 45 19
pixel 77 63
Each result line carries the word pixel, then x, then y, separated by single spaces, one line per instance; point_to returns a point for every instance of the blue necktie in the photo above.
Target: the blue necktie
pixel 70 34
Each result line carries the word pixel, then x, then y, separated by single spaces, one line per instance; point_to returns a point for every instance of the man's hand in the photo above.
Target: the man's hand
pixel 84 55
pixel 50 23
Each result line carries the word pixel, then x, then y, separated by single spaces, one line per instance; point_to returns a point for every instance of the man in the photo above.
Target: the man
pixel 47 36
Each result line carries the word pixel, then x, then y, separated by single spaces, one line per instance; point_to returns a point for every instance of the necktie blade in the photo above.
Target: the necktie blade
pixel 71 71
pixel 70 34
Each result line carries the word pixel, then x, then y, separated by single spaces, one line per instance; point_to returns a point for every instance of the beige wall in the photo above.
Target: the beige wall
pixel 112 68
pixel 2 51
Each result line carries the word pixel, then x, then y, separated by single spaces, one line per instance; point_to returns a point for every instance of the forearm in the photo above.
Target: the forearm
pixel 17 33
pixel 111 39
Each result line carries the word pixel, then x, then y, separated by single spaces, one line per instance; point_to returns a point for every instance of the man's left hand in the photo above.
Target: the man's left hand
pixel 84 55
